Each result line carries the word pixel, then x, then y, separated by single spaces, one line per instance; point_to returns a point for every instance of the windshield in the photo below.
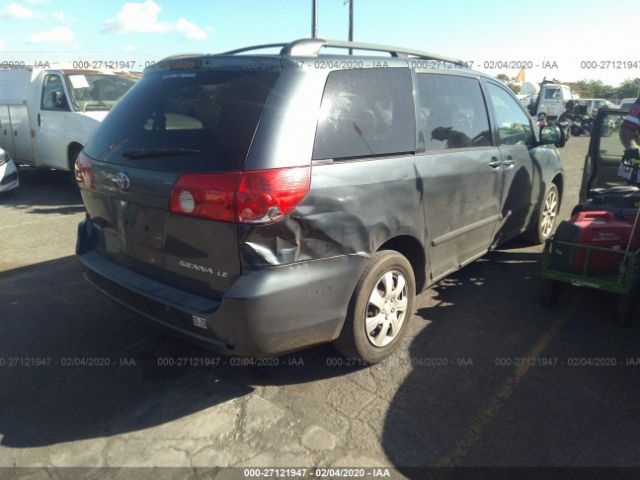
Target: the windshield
pixel 552 94
pixel 97 91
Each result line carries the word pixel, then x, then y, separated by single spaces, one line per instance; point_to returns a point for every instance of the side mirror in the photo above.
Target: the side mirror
pixel 552 135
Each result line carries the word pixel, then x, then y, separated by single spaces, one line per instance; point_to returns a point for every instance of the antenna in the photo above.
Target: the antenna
pixel 314 18
pixel 350 2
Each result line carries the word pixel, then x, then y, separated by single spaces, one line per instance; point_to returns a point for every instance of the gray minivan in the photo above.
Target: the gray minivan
pixel 260 204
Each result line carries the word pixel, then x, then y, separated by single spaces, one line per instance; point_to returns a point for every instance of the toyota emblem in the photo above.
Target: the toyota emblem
pixel 123 181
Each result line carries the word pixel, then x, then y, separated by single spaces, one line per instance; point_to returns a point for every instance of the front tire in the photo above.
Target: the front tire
pixel 546 217
pixel 380 309
pixel 72 164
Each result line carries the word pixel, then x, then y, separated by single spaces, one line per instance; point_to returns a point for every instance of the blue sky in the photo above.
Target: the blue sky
pixel 565 32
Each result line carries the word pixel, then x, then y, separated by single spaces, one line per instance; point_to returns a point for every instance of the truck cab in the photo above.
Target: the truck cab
pixel 552 99
pixel 47 115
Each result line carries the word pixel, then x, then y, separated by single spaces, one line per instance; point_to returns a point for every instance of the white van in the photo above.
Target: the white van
pixel 47 115
pixel 552 99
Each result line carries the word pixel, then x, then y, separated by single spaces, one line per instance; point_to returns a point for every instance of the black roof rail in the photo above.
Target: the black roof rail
pixel 310 47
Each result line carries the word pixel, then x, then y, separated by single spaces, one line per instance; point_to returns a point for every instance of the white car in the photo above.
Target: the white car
pixel 8 173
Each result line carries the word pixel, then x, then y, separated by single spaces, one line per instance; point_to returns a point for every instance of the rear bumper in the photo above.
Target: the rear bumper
pixel 270 311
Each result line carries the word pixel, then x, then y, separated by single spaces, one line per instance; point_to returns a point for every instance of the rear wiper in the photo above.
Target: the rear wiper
pixel 158 152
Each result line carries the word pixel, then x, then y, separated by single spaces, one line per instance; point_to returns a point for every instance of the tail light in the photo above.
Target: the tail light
pixel 83 169
pixel 258 196
pixel 207 196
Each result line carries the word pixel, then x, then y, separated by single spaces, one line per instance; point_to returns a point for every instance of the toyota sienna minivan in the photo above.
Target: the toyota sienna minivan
pixel 258 204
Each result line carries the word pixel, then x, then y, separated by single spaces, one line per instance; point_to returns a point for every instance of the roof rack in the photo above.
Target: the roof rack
pixel 255 47
pixel 179 56
pixel 310 47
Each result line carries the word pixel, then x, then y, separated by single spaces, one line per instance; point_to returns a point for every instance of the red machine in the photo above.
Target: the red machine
pixel 598 229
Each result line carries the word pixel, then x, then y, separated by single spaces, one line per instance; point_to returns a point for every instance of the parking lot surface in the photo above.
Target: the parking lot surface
pixel 487 376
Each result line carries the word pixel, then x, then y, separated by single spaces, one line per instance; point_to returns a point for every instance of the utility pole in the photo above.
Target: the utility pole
pixel 314 18
pixel 350 24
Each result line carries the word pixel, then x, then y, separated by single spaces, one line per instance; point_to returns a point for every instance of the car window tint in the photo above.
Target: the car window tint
pixel 215 113
pixel 366 112
pixel 451 112
pixel 514 127
pixel 52 91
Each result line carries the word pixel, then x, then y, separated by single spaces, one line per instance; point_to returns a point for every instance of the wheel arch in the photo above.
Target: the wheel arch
pixel 558 181
pixel 411 248
pixel 72 150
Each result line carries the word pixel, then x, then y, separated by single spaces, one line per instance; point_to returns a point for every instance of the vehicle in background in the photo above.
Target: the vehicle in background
pixel 625 103
pixel 592 105
pixel 47 115
pixel 259 204
pixel 8 173
pixel 576 127
pixel 528 100
pixel 528 96
pixel 552 99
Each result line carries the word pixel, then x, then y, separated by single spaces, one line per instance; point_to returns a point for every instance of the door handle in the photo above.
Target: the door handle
pixel 15 133
pixel 39 120
pixel 509 162
pixel 495 163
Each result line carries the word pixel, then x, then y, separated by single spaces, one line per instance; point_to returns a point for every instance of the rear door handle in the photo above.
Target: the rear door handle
pixel 39 121
pixel 495 163
pixel 509 162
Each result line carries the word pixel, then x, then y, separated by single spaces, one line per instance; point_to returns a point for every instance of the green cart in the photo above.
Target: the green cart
pixel 612 270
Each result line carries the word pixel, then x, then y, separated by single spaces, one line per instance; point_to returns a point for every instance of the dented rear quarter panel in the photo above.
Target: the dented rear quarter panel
pixel 353 208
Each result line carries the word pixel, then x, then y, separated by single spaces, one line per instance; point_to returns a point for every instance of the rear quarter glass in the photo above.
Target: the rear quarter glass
pixel 213 114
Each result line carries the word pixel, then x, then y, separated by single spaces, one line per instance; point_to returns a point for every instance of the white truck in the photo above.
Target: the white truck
pixel 552 99
pixel 47 115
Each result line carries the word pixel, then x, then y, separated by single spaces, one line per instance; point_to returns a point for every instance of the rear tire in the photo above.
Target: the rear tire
pixel 380 309
pixel 546 217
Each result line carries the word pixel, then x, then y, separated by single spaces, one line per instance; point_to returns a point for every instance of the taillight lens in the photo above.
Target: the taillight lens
pixel 208 196
pixel 268 195
pixel 83 169
pixel 258 196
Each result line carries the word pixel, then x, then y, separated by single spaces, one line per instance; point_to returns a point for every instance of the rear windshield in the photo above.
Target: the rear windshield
pixel 193 121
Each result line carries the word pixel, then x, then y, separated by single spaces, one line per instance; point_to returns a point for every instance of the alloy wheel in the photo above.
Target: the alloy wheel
pixel 386 309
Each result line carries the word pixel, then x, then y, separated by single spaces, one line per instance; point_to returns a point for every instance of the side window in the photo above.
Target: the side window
pixel 366 112
pixel 53 97
pixel 514 127
pixel 451 112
